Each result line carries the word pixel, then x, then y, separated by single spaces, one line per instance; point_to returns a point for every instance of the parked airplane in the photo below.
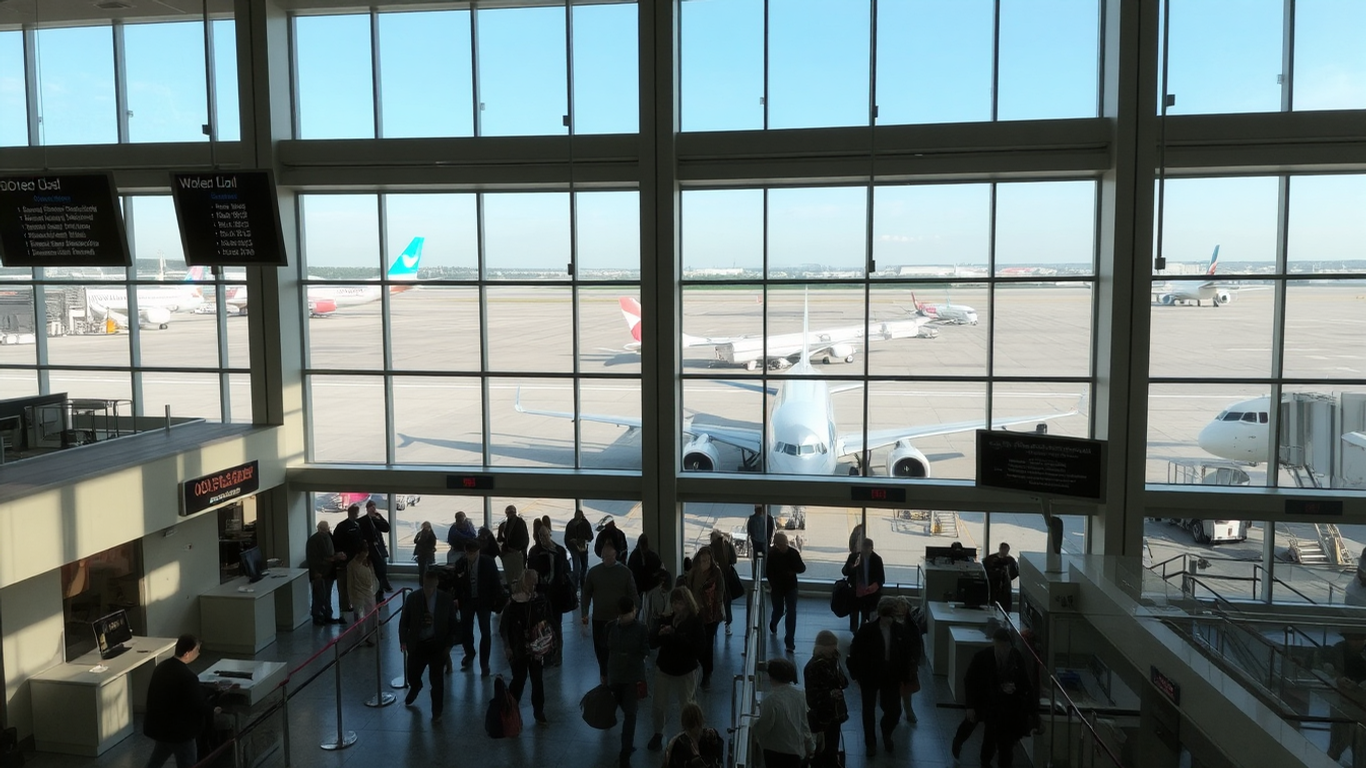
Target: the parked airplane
pixel 156 303
pixel 1241 432
pixel 1201 291
pixel 950 314
pixel 323 300
pixel 803 437
pixel 781 350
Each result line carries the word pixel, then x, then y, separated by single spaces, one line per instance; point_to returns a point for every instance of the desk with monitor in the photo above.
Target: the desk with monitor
pixel 242 616
pixel 86 705
pixel 939 619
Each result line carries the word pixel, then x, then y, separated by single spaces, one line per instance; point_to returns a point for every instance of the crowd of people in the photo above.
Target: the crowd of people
pixel 654 634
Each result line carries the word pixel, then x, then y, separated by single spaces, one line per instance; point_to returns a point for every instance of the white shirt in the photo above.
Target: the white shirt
pixel 782 725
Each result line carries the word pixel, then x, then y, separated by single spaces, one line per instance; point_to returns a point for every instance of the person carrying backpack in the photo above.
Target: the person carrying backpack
pixel 528 639
pixel 697 746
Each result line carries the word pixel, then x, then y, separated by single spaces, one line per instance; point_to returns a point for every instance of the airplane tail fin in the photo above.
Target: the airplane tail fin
pixel 1213 261
pixel 630 309
pixel 405 266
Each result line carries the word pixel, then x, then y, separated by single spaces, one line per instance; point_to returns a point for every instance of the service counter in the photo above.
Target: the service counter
pixel 964 643
pixel 241 617
pixel 939 619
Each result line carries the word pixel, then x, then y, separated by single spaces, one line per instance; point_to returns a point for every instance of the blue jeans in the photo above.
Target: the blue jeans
pixel 579 560
pixel 186 753
pixel 785 604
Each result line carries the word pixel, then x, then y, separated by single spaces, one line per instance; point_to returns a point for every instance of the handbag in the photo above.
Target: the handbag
pixel 842 599
pixel 503 719
pixel 912 685
pixel 642 689
pixel 735 588
pixel 599 708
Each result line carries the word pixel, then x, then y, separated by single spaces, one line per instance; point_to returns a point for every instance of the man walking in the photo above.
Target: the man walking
pixel 629 644
pixel 606 584
pixel 998 695
pixel 177 707
pixel 876 662
pixel 577 536
pixel 513 540
pixel 1001 570
pixel 760 530
pixel 781 568
pixel 477 589
pixel 374 528
pixel 427 630
pixel 322 569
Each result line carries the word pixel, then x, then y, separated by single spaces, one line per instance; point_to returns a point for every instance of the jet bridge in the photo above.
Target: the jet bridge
pixel 1323 439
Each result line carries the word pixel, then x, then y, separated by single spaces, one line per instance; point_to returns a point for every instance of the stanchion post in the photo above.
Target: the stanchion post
pixel 284 713
pixel 344 738
pixel 382 698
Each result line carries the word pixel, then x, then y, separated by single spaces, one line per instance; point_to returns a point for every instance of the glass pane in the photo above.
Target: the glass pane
pixel 1330 62
pixel 1196 434
pixel 609 236
pixel 336 89
pixel 722 63
pixel 155 239
pixel 17 382
pixel 225 79
pixel 606 344
pixel 340 236
pixel 1239 336
pixel 189 395
pixel 526 235
pixel 531 439
pixel 13 102
pixel 1326 228
pixel 732 404
pixel 735 316
pixel 436 329
pixel 100 385
pixel 239 398
pixel 447 224
pixel 1225 56
pixel 166 84
pixel 1042 330
pixel 97 327
pixel 1026 532
pixel 20 325
pixel 239 343
pixel 835 327
pixel 817 232
pixel 606 445
pixel 173 334
pixel 722 234
pixel 522 82
pixel 346 418
pixel 1051 223
pixel 1322 340
pixel 426 84
pixel 1059 408
pixel 1050 64
pixel 818 64
pixel 940 230
pixel 1237 216
pixel 343 327
pixel 410 511
pixel 1329 583
pixel 934 61
pixel 938 330
pixel 516 316
pixel 606 64
pixel 895 407
pixel 438 420
pixel 1322 437
pixel 901 536
pixel 76 86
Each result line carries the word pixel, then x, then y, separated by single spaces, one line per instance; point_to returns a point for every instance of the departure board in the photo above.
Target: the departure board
pixel 228 218
pixel 61 220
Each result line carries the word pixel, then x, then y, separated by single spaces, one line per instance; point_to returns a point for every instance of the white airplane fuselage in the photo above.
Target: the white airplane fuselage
pixel 155 303
pixel 1198 291
pixel 1240 432
pixel 802 434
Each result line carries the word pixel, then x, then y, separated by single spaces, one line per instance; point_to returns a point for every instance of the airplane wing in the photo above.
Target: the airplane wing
pixel 877 438
pixel 740 437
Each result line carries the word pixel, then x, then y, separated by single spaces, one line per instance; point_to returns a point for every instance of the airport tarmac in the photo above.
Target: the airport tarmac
pixel 1038 331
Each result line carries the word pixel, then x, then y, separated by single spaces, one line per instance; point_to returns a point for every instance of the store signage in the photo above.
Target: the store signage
pixel 470 482
pixel 1042 464
pixel 877 493
pixel 1166 685
pixel 1314 507
pixel 228 218
pixel 61 220
pixel 221 487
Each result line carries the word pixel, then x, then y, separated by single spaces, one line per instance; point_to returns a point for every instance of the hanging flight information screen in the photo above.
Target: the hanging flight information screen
pixel 61 220
pixel 228 218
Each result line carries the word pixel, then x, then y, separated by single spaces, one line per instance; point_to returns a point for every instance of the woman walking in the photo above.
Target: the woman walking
pixel 523 641
pixel 826 707
pixel 550 562
pixel 361 581
pixel 680 638
pixel 424 549
pixel 708 589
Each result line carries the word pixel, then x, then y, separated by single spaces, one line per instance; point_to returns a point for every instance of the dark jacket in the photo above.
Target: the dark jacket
pixel 644 568
pixel 424 547
pixel 518 618
pixel 680 650
pixel 457 536
pixel 782 568
pixel 868 662
pixel 347 537
pixel 823 675
pixel 372 529
pixel 1001 571
pixel 855 573
pixel 618 538
pixel 488 580
pixel 982 688
pixel 627 647
pixel 320 553
pixel 444 623
pixel 513 536
pixel 760 530
pixel 551 564
pixel 578 530
pixel 177 707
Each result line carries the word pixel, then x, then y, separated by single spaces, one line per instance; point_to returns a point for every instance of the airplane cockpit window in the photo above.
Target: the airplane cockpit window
pixel 1231 416
pixel 1250 417
pixel 1262 418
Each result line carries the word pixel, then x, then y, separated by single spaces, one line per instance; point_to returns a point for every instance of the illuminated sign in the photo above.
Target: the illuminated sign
pixel 469 482
pixel 222 487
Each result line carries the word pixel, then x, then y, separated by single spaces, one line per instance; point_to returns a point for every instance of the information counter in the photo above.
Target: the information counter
pixel 86 706
pixel 964 643
pixel 938 619
pixel 241 617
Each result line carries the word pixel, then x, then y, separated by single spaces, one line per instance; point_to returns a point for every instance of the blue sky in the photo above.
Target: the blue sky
pixel 934 64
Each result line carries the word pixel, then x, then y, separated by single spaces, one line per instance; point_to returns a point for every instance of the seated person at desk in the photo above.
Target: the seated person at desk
pixel 177 707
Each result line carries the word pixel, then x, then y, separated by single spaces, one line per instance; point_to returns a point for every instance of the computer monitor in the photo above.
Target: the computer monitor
pixel 972 592
pixel 111 632
pixel 253 564
pixel 951 554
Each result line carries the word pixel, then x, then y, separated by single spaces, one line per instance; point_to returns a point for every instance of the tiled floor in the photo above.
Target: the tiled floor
pixel 395 735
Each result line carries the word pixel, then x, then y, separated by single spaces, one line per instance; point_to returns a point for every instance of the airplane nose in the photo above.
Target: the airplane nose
pixel 1213 440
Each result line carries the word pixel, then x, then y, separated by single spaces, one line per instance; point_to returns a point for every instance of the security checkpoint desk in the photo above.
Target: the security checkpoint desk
pixel 79 711
pixel 964 642
pixel 255 689
pixel 938 619
pixel 241 622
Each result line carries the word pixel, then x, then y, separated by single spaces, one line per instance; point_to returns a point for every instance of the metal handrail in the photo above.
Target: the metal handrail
pixel 744 686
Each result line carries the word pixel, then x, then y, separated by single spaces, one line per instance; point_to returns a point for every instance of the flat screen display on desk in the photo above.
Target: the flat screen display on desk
pixel 254 564
pixel 61 220
pixel 228 218
pixel 111 632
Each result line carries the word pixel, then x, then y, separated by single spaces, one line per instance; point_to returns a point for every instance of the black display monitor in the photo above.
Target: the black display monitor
pixel 972 592
pixel 253 564
pixel 954 554
pixel 111 632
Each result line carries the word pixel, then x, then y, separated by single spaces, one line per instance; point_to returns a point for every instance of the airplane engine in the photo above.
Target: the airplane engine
pixel 700 455
pixel 1167 299
pixel 156 317
pixel 1221 298
pixel 322 307
pixel 906 461
pixel 841 351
